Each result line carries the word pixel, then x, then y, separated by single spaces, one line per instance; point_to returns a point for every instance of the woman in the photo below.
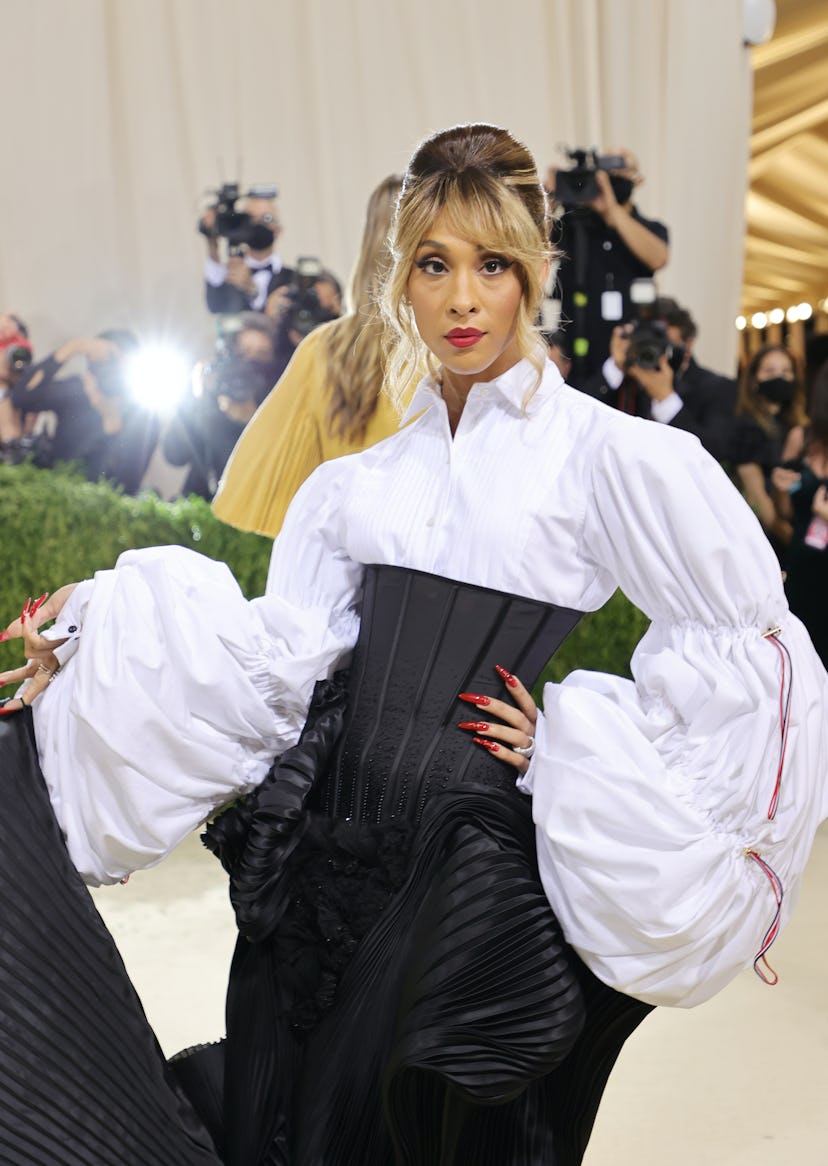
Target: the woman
pixel 803 480
pixel 400 991
pixel 770 410
pixel 327 403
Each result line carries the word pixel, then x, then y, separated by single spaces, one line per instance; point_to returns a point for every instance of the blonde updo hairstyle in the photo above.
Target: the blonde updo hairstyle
pixel 486 184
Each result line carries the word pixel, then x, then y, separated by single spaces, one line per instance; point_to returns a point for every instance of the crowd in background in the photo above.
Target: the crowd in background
pixel 609 329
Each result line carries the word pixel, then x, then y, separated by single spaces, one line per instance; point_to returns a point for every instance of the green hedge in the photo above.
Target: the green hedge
pixel 55 527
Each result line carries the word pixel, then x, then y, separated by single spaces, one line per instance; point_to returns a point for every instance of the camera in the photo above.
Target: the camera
pixel 237 377
pixel 648 343
pixel 578 185
pixel 232 224
pixel 31 446
pixel 304 312
pixel 648 337
pixel 19 358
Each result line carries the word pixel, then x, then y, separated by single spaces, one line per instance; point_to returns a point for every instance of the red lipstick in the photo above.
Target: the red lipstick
pixel 463 337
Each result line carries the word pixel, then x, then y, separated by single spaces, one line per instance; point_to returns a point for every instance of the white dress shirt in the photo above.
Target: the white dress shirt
pixel 647 794
pixel 215 273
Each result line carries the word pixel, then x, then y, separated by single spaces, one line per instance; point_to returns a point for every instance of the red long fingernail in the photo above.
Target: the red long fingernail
pixel 477 726
pixel 506 676
pixel 4 636
pixel 474 698
pixel 26 607
pixel 37 603
pixel 492 746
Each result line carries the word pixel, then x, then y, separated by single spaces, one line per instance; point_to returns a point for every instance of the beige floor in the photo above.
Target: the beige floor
pixel 741 1081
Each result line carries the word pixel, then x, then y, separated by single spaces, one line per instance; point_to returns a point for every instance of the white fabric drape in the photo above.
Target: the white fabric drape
pixel 126 112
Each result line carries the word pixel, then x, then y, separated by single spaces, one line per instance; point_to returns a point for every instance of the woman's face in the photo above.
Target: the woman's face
pixel 773 366
pixel 465 300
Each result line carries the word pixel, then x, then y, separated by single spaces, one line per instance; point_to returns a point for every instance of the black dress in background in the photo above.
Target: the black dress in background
pixel 806 582
pixel 750 444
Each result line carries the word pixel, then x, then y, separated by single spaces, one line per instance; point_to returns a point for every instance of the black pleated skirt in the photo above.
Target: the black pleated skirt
pixel 83 1081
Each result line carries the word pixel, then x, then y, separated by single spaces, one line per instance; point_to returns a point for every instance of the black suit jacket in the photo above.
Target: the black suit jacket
pixel 228 298
pixel 708 403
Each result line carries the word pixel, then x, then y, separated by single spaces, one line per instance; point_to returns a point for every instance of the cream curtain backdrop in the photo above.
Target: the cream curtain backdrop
pixel 126 111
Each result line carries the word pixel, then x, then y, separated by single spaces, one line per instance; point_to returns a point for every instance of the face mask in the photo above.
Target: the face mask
pixel 259 236
pixel 622 188
pixel 777 390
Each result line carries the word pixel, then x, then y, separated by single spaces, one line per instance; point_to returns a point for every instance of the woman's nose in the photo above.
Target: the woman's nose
pixel 462 297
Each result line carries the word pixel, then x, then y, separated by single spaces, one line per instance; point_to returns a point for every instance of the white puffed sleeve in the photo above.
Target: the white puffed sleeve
pixel 180 692
pixel 657 841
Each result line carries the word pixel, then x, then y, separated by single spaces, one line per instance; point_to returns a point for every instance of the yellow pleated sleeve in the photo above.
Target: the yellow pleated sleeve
pixel 286 439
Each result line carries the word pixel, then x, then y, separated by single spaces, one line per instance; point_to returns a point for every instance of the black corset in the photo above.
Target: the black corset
pixel 423 640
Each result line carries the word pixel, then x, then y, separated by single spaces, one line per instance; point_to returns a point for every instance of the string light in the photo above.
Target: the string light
pixel 794 313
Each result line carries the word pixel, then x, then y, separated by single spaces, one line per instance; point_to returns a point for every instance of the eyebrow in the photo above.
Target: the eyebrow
pixel 435 245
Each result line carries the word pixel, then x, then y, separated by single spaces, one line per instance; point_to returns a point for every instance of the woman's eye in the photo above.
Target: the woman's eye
pixel 496 265
pixel 431 265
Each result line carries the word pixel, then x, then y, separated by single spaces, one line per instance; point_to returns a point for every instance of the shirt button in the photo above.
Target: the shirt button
pixel 429 522
pixel 607 245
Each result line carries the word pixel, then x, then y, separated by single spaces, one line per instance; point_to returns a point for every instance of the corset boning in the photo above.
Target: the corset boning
pixel 423 640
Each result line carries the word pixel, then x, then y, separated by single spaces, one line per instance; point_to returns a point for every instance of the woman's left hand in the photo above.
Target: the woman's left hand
pixel 820 506
pixel 506 730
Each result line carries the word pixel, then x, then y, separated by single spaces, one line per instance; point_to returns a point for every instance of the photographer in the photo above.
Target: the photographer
pixel 252 269
pixel 226 392
pixel 651 372
pixel 605 244
pixel 313 297
pixel 97 420
pixel 15 356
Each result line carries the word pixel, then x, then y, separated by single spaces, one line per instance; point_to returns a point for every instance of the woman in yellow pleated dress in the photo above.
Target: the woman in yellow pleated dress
pixel 327 403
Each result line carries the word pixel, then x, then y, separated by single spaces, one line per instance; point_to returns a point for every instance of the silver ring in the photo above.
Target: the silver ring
pixel 526 752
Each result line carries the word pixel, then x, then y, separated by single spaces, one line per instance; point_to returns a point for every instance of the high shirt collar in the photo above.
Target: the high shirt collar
pixel 515 386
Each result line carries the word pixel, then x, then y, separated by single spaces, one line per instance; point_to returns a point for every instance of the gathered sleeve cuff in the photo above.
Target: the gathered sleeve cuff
pixel 180 693
pixel 675 812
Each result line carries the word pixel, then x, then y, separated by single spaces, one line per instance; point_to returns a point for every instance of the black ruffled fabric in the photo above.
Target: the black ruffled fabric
pixel 415 995
pixel 341 881
pixel 254 837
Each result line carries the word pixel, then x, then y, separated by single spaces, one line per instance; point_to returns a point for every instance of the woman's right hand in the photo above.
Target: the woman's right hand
pixel 41 664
